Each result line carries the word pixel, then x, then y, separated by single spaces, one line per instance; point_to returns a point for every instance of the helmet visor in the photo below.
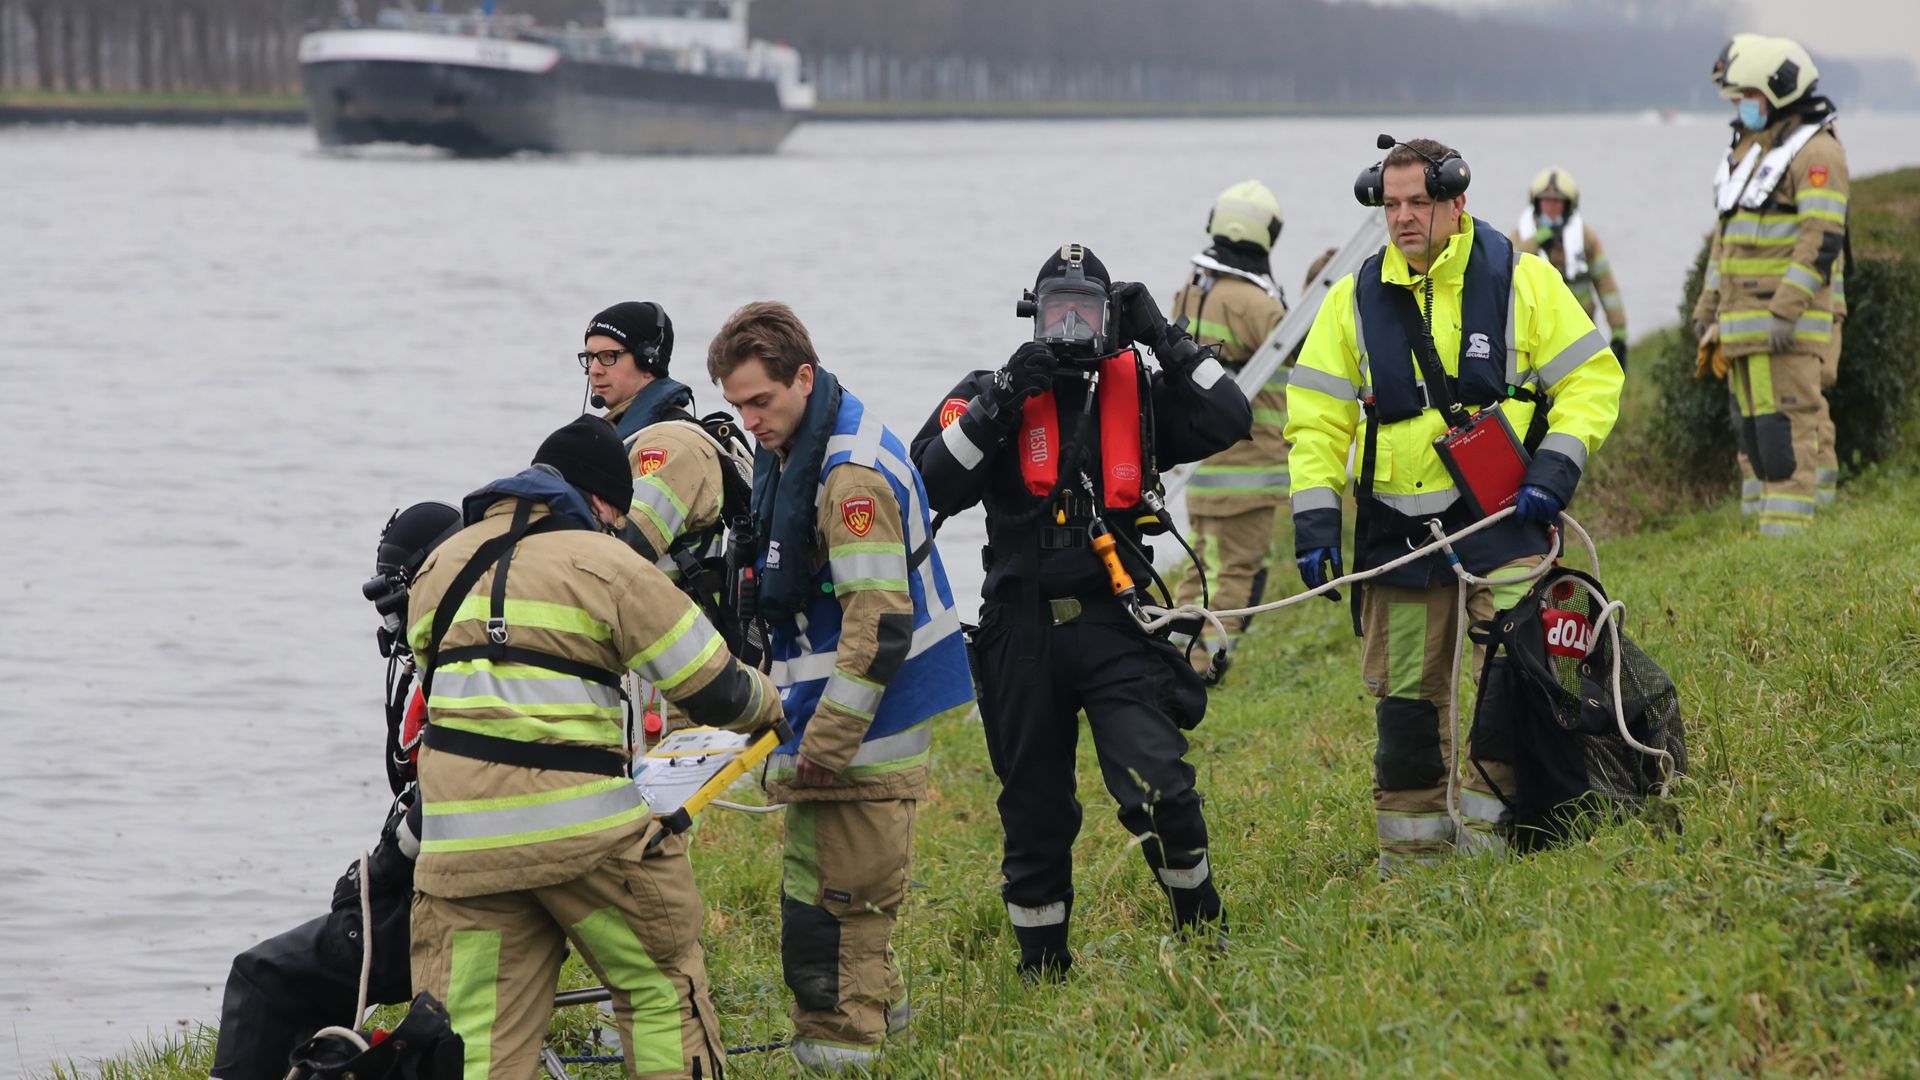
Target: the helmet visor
pixel 1070 313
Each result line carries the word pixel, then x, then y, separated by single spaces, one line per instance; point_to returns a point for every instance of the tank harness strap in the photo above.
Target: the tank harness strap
pixel 497 553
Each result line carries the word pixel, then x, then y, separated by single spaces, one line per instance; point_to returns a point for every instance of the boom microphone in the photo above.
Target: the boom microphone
pixel 597 401
pixel 1385 142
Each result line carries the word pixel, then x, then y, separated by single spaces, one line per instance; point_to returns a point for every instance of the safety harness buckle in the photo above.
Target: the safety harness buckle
pixel 497 630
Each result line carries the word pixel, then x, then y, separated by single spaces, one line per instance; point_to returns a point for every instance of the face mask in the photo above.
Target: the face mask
pixel 1753 114
pixel 1551 222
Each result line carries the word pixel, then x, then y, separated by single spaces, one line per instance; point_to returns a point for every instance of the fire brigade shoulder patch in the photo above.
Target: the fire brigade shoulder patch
pixel 858 514
pixel 952 410
pixel 1817 176
pixel 651 459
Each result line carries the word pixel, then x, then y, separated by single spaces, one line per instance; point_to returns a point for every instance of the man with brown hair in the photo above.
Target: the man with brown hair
pixel 1440 327
pixel 867 654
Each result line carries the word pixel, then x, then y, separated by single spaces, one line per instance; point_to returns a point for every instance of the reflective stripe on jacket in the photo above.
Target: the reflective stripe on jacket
pixel 1552 346
pixel 1781 257
pixel 582 597
pixel 1238 316
pixel 872 692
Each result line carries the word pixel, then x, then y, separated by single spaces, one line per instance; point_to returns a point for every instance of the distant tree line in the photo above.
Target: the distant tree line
pixel 1305 53
pixel 210 46
pixel 1272 51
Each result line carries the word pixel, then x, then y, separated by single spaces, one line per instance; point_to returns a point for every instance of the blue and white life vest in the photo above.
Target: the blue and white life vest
pixel 934 678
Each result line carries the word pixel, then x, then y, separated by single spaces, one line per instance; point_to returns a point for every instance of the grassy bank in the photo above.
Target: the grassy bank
pixel 1775 931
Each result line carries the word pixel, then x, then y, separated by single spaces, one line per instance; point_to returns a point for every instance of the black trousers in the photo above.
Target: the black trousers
pixel 287 987
pixel 1035 677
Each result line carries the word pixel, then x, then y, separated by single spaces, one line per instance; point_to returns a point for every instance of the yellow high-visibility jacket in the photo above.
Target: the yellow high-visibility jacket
pixel 1553 350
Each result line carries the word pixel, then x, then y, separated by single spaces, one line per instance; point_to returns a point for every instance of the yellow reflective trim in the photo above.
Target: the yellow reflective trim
pixel 687 669
pixel 1760 378
pixel 518 802
pixel 601 730
pixel 1209 332
pixel 473 997
pixel 1758 267
pixel 666 641
pixel 488 843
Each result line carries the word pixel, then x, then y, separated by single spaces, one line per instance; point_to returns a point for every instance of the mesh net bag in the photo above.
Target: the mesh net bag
pixel 1546 705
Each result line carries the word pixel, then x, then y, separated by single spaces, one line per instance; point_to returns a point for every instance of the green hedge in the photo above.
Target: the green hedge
pixel 1878 395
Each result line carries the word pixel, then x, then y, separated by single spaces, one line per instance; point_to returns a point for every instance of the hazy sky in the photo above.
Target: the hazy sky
pixel 1855 28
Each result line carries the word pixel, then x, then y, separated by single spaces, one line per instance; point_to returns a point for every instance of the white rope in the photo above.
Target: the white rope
pixel 366 942
pixel 745 809
pixel 366 973
pixel 1154 618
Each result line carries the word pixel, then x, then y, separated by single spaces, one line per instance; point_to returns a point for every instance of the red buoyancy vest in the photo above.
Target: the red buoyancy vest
pixel 1120 450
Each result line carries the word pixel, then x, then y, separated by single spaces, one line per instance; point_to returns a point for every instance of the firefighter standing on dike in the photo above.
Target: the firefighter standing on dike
pixel 1552 227
pixel 1232 303
pixel 1773 296
pixel 533 835
pixel 1510 336
pixel 1059 467
pixel 867 652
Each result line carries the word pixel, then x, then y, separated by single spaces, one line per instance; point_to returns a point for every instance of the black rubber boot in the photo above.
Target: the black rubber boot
pixel 1044 955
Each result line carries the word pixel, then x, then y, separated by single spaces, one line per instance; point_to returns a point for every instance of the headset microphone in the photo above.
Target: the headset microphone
pixel 597 401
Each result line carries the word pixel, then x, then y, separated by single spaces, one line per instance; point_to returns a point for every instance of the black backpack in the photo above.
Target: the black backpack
pixel 1546 705
pixel 422 1046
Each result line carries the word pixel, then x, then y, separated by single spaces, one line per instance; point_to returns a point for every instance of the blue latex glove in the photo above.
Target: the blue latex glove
pixel 1313 568
pixel 1535 503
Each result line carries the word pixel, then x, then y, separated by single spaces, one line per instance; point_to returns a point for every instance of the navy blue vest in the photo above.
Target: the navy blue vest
pixel 1488 292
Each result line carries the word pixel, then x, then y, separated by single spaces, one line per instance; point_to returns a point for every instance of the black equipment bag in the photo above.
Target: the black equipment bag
pixel 1546 705
pixel 422 1046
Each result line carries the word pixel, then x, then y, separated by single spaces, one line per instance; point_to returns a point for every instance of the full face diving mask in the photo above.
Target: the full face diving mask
pixel 1071 315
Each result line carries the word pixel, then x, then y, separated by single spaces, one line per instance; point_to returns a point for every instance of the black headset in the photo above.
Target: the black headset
pixel 1447 176
pixel 647 352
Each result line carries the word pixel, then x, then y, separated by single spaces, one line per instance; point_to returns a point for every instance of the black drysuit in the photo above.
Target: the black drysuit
pixel 1054 641
pixel 287 987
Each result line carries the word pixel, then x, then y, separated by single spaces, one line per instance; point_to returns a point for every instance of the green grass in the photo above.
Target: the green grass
pixel 1775 932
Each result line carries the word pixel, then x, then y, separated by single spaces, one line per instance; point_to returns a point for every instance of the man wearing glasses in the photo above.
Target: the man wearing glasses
pixel 677 483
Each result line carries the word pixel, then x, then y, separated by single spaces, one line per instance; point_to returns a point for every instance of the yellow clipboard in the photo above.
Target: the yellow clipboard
pixel 691 767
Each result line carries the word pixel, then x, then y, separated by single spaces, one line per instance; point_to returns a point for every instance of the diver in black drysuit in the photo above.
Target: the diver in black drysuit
pixel 291 985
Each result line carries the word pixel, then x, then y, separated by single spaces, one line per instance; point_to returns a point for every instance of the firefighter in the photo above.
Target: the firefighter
pixel 1061 445
pixel 1551 226
pixel 867 652
pixel 1773 288
pixel 533 836
pixel 285 988
pixel 1509 335
pixel 691 476
pixel 1232 303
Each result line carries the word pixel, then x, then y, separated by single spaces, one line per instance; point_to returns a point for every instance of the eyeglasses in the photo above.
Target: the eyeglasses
pixel 607 358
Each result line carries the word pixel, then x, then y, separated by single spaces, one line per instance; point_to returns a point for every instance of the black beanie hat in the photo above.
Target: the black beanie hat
pixel 412 534
pixel 1056 266
pixel 632 324
pixel 590 456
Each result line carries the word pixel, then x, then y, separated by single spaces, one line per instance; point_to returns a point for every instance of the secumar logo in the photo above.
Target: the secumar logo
pixel 651 459
pixel 953 410
pixel 858 514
